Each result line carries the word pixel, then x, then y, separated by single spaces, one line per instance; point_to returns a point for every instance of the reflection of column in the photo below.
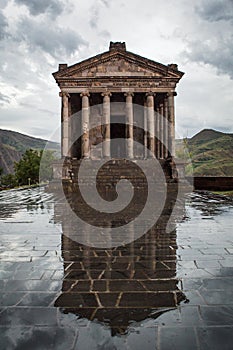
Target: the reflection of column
pixel 171 126
pixel 161 130
pixel 153 248
pixel 131 249
pixel 65 124
pixel 157 133
pixel 84 230
pixel 85 125
pixel 165 127
pixel 151 121
pixel 150 250
pixel 129 122
pixel 145 131
pixel 106 121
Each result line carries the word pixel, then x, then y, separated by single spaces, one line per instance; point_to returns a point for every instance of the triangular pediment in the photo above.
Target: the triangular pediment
pixel 117 63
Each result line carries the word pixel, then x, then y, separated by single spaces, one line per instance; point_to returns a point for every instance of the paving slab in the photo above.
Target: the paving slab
pixel 165 290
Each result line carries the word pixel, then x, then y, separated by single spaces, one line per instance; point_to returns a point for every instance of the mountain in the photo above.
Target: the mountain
pixel 13 144
pixel 211 153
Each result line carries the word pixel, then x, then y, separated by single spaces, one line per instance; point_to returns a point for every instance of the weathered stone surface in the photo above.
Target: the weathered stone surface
pixel 99 96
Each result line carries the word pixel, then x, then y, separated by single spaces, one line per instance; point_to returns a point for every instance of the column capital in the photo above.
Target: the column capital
pixel 106 93
pixel 64 94
pixel 129 93
pixel 172 94
pixel 150 93
pixel 85 93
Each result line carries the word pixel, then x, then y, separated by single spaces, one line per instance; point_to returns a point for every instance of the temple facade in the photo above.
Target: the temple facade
pixel 105 91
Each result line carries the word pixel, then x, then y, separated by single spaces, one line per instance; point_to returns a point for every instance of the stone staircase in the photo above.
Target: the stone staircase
pixel 116 169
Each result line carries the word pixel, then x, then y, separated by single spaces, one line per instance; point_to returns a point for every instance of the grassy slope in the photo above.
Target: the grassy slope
pixel 211 153
pixel 14 144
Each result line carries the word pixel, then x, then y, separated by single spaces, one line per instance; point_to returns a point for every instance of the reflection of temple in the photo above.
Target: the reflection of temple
pixel 119 285
pixel 104 90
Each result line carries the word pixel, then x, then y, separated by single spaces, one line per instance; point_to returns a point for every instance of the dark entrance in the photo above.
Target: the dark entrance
pixel 118 131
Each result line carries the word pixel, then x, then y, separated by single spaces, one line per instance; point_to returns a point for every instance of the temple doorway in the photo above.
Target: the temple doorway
pixel 118 131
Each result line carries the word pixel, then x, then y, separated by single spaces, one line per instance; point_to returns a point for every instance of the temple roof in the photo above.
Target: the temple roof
pixel 117 62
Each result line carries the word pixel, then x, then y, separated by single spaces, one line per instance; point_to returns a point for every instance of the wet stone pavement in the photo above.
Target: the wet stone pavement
pixel 169 289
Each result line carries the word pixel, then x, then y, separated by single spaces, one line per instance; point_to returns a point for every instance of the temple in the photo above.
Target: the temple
pixel 104 91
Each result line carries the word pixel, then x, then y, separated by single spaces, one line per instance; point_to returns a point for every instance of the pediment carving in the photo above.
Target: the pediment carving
pixel 115 67
pixel 117 64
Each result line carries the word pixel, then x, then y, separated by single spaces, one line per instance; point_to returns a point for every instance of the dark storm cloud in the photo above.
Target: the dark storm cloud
pixel 95 12
pixel 3 26
pixel 4 98
pixel 49 38
pixel 213 45
pixel 105 2
pixel 32 106
pixel 3 3
pixel 37 7
pixel 94 17
pixel 217 52
pixel 216 10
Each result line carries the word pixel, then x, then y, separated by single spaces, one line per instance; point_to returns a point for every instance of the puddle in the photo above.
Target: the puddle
pixel 54 287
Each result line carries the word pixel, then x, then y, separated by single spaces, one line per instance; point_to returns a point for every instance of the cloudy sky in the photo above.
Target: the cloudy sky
pixel 36 35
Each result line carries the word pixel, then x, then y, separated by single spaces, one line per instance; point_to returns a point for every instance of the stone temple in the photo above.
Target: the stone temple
pixel 118 123
pixel 103 91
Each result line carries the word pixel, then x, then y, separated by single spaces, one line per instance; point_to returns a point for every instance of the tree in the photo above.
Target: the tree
pixel 28 167
pixel 8 180
pixel 27 170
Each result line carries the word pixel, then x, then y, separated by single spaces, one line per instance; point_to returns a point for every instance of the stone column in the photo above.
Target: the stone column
pixel 165 129
pixel 145 130
pixel 161 127
pixel 85 125
pixel 171 124
pixel 129 122
pixel 106 121
pixel 65 124
pixel 151 121
pixel 157 123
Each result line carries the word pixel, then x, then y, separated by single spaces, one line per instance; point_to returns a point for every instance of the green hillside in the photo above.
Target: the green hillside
pixel 13 144
pixel 211 153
